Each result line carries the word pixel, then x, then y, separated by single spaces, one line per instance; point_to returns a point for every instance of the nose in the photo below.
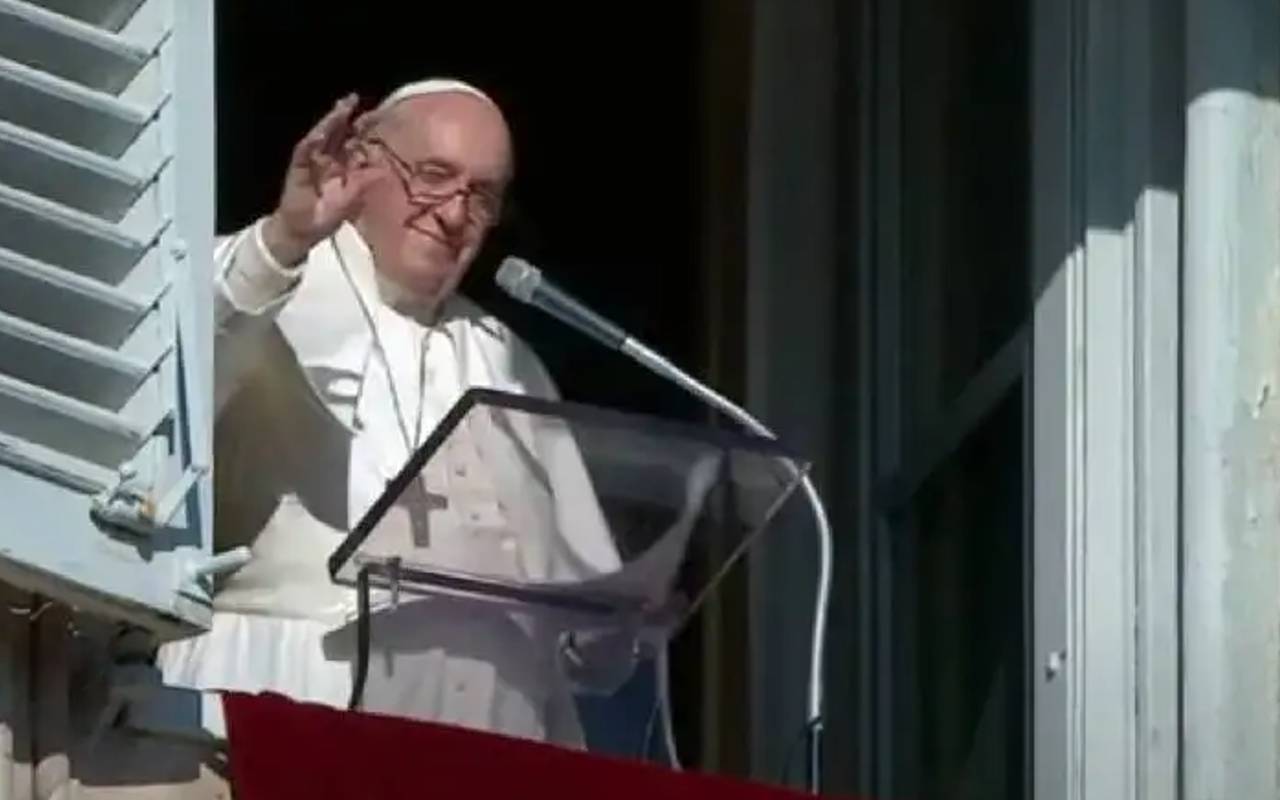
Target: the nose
pixel 451 214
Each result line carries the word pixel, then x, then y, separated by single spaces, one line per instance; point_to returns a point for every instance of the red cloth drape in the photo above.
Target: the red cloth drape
pixel 281 749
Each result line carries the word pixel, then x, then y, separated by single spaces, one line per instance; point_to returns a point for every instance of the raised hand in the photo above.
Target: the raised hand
pixel 323 184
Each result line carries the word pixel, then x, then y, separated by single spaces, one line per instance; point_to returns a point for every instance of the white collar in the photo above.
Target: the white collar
pixel 342 346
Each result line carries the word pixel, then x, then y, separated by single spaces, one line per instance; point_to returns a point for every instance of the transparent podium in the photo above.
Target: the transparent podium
pixel 589 525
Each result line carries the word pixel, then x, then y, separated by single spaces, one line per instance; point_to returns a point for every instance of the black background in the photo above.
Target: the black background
pixel 603 105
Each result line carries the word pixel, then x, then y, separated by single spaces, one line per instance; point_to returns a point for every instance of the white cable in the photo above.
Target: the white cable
pixel 822 602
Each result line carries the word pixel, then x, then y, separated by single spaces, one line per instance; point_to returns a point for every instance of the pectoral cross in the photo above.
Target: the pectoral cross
pixel 421 501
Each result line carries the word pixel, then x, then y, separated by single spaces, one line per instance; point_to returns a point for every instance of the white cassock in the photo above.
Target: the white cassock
pixel 307 436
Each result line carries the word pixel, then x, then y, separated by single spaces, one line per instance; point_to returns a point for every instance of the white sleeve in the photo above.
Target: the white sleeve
pixel 250 279
pixel 251 286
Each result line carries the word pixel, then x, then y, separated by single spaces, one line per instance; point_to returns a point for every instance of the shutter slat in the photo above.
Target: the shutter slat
pixel 73 176
pixel 66 110
pixel 67 425
pixel 74 473
pixel 68 302
pixel 68 365
pixel 68 48
pixel 67 238
pixel 108 14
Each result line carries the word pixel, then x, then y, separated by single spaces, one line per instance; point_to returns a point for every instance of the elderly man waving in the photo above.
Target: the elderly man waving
pixel 341 344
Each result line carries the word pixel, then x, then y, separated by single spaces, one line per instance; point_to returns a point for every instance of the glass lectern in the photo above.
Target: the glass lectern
pixel 599 524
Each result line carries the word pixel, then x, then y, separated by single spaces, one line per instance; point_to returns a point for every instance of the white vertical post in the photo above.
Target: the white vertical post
pixel 1231 412
pixel 1107 179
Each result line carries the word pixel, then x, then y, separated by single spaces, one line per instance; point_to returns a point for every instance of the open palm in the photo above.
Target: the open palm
pixel 322 185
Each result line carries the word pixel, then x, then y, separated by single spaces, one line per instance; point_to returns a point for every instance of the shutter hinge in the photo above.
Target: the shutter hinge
pixel 132 504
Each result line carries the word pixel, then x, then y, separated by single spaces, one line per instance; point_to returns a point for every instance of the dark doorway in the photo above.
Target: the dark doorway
pixel 606 106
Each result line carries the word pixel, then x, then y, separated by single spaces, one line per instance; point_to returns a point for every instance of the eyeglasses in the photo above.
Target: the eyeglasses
pixel 430 184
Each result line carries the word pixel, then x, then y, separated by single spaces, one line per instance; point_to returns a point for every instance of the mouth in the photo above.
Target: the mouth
pixel 440 241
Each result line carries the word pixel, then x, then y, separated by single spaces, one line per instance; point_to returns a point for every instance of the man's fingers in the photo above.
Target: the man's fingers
pixel 341 195
pixel 354 184
pixel 330 126
pixel 303 150
pixel 324 167
pixel 320 164
pixel 363 178
pixel 327 142
pixel 340 111
pixel 364 122
pixel 338 123
pixel 321 128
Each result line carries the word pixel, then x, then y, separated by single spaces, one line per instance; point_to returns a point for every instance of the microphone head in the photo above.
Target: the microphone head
pixel 518 278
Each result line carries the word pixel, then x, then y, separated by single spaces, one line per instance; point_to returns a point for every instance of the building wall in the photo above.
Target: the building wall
pixel 1121 544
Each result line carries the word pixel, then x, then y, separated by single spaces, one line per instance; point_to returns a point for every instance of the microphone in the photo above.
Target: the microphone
pixel 525 283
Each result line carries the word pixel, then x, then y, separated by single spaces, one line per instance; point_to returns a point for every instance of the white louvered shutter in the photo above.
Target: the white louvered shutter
pixel 106 228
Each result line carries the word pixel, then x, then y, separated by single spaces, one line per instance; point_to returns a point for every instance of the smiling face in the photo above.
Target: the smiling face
pixel 446 161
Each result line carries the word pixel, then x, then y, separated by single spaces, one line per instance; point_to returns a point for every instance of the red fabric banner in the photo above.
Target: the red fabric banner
pixel 281 749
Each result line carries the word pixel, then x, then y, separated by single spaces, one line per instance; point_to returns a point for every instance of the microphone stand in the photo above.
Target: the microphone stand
pixel 813 717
